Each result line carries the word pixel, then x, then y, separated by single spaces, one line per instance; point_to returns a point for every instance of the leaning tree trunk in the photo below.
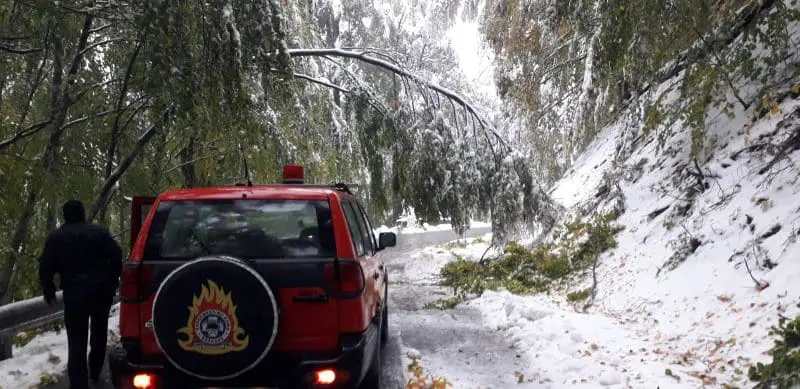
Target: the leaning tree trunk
pixel 101 202
pixel 9 263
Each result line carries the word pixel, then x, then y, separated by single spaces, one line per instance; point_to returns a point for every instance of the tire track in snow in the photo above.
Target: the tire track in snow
pixel 452 343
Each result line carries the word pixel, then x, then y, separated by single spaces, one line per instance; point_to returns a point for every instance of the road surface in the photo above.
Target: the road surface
pixel 455 333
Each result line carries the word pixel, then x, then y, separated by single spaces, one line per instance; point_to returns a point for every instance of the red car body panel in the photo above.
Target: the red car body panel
pixel 303 327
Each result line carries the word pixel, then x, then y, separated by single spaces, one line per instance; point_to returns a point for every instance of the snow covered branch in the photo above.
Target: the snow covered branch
pixel 384 64
pixel 321 82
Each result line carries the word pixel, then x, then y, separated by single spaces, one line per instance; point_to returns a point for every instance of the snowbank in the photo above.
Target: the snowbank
pixel 413 228
pixel 44 356
pixel 568 349
pixel 679 277
pixel 560 348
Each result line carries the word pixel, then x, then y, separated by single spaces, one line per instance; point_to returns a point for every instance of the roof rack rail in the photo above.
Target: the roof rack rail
pixel 337 186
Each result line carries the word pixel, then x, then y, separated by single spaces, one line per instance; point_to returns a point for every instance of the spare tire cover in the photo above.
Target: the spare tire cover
pixel 215 318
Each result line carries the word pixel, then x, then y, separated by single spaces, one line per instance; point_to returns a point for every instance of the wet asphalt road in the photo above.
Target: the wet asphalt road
pixel 405 304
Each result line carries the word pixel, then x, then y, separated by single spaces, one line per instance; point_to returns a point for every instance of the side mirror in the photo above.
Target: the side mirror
pixel 387 239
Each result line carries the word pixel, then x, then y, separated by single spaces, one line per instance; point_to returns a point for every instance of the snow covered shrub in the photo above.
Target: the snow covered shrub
pixel 465 277
pixel 27 336
pixel 580 295
pixel 442 304
pixel 784 371
pixel 522 270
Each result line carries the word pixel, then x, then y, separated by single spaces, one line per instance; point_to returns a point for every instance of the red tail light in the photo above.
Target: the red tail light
pixel 135 282
pixel 135 286
pixel 350 277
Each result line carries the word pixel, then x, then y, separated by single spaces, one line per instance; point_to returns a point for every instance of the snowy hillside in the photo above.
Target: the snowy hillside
pixel 708 317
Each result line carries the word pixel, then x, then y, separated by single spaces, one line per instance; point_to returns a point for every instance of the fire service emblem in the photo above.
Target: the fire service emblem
pixel 212 327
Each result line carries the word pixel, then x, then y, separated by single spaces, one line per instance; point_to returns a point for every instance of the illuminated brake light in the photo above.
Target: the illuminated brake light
pixel 143 381
pixel 293 174
pixel 324 377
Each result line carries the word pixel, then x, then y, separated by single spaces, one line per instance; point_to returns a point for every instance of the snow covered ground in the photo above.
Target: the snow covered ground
pixel 454 344
pixel 676 305
pixel 524 341
pixel 416 228
pixel 707 319
pixel 44 358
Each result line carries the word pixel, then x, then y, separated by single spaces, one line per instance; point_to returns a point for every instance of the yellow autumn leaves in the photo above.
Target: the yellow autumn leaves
pixel 420 380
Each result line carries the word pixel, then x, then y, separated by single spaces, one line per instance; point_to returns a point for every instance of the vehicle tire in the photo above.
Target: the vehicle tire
pixel 373 378
pixel 215 318
pixel 385 320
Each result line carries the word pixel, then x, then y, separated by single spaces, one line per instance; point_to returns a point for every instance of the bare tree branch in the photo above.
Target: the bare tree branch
pixel 76 60
pixel 101 28
pixel 15 38
pixel 15 50
pixel 116 129
pixel 86 118
pixel 321 82
pixel 31 130
pixel 97 44
pixel 105 190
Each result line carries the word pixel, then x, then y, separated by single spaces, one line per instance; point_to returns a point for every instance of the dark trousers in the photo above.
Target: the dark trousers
pixel 79 312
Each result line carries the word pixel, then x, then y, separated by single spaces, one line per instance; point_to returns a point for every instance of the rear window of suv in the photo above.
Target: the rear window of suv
pixel 250 229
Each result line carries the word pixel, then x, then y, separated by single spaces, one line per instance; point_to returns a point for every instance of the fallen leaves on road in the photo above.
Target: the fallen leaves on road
pixel 420 380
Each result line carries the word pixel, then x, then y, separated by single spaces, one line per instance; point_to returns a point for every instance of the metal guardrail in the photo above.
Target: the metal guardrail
pixel 26 315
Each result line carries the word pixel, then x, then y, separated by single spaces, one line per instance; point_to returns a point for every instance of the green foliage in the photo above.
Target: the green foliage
pixel 547 52
pixel 48 379
pixel 522 271
pixel 25 337
pixel 784 370
pixel 227 75
pixel 579 295
pixel 445 303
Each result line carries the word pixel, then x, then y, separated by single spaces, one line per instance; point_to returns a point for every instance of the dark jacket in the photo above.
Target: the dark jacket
pixel 85 256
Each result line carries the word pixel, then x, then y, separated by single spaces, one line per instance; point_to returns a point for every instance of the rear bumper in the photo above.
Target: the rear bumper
pixel 278 370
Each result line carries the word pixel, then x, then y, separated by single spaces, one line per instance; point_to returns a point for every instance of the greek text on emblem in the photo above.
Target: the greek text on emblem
pixel 212 327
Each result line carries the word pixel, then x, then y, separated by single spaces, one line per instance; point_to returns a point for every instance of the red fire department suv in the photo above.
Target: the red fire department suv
pixel 269 286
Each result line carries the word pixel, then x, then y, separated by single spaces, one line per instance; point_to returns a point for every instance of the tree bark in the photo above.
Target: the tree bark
pixel 187 164
pixel 105 190
pixel 116 129
pixel 9 265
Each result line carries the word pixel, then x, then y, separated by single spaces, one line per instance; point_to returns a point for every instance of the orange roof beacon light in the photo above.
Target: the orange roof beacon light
pixel 324 377
pixel 143 381
pixel 293 174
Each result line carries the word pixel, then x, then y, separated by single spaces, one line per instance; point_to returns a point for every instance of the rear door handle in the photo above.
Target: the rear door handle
pixel 320 298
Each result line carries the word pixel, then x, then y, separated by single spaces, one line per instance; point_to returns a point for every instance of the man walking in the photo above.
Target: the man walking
pixel 89 262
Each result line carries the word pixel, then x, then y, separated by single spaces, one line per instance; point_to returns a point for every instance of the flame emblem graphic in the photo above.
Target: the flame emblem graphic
pixel 212 327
